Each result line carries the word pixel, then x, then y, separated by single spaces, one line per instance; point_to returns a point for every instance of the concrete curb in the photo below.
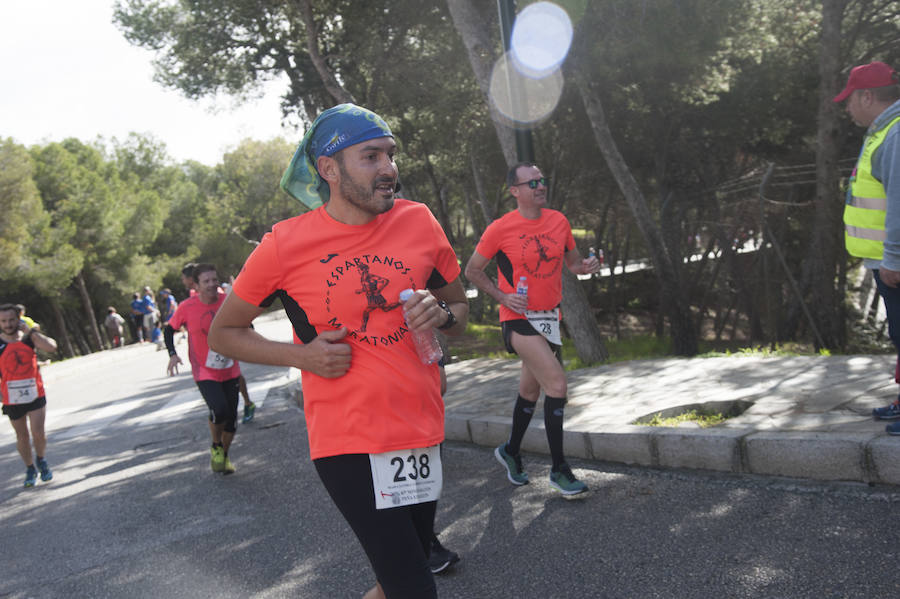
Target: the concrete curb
pixel 821 456
pixel 865 457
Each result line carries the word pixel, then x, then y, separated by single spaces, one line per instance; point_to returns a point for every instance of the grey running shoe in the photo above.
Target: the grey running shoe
pixel 565 482
pixel 513 465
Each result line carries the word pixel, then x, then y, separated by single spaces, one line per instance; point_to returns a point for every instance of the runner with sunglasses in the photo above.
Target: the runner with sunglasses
pixel 532 243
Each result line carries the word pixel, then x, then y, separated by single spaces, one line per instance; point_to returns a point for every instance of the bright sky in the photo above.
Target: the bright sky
pixel 67 71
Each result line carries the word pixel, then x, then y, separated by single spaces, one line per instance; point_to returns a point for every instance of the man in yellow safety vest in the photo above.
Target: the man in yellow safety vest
pixel 872 211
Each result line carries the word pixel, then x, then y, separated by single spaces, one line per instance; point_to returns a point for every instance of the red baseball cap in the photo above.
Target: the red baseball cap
pixel 867 76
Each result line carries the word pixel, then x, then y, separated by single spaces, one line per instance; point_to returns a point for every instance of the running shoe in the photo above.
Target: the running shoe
pixel 565 482
pixel 513 465
pixel 893 428
pixel 441 558
pixel 46 473
pixel 227 466
pixel 217 459
pixel 30 476
pixel 891 412
pixel 249 411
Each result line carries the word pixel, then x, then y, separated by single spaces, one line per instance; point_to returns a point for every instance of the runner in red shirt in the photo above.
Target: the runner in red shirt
pixel 374 411
pixel 23 389
pixel 216 375
pixel 530 245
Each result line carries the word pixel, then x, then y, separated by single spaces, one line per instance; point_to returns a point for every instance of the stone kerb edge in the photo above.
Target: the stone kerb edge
pixel 860 457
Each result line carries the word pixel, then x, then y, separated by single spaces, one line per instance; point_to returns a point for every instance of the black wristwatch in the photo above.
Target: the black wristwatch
pixel 451 318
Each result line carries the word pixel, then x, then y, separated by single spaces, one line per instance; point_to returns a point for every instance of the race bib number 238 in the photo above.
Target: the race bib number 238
pixel 407 476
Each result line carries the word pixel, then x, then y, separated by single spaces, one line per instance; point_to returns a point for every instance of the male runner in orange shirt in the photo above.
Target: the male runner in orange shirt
pixel 532 242
pixel 374 412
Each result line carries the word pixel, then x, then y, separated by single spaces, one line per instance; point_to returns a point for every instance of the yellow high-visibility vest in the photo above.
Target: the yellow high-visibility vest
pixel 866 208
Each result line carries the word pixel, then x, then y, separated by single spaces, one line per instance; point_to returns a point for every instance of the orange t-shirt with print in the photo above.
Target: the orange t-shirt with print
pixel 533 248
pixel 328 275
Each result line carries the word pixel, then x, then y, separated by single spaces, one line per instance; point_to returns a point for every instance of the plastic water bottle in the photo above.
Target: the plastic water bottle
pixel 522 287
pixel 599 256
pixel 426 342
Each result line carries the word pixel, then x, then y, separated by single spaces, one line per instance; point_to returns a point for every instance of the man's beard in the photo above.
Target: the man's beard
pixel 365 199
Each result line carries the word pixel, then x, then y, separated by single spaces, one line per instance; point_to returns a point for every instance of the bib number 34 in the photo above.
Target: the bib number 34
pixel 406 477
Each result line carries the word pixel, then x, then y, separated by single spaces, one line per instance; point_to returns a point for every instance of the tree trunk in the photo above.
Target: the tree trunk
pixel 471 22
pixel 63 334
pixel 337 91
pixel 580 321
pixel 672 299
pixel 96 340
pixel 824 252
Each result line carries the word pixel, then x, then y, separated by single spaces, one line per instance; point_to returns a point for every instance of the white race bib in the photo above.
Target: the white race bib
pixel 407 476
pixel 545 322
pixel 22 391
pixel 218 361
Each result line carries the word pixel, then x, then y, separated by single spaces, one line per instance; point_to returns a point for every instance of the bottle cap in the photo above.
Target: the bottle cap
pixel 406 294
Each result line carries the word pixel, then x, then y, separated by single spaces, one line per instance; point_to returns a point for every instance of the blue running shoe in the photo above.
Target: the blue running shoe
pixel 513 465
pixel 30 476
pixel 893 428
pixel 46 473
pixel 249 411
pixel 565 482
pixel 891 412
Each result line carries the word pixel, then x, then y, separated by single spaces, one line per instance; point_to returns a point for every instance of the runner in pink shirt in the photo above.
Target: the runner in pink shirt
pixel 217 376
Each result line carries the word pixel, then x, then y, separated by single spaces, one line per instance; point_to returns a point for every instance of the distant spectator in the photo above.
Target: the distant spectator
pixel 150 312
pixel 167 305
pixel 114 326
pixel 137 317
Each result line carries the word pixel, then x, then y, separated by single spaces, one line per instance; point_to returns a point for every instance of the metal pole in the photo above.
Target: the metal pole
pixel 524 145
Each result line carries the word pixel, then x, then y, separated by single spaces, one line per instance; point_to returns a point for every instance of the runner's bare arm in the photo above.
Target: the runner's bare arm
pixel 41 341
pixel 422 310
pixel 230 335
pixel 475 273
pixel 579 265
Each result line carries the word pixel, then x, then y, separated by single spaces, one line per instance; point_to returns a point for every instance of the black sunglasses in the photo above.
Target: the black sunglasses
pixel 535 182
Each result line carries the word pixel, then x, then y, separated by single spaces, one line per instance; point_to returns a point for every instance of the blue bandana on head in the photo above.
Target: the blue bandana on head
pixel 335 129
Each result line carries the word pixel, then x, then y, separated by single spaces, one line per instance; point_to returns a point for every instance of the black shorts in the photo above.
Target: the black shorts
pixel 221 398
pixel 523 327
pixel 16 411
pixel 397 540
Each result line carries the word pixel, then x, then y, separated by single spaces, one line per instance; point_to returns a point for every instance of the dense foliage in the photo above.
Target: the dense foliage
pixel 704 100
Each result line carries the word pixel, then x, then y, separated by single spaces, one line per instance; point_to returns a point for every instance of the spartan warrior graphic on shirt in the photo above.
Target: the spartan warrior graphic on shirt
pixel 372 286
pixel 374 277
pixel 538 251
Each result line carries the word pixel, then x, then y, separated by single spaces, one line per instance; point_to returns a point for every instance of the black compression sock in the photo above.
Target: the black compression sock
pixel 554 408
pixel 522 413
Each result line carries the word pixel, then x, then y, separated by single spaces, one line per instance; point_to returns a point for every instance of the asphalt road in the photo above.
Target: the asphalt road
pixel 133 511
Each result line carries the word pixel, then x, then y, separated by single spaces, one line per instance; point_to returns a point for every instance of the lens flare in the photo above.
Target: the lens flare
pixel 522 99
pixel 541 37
